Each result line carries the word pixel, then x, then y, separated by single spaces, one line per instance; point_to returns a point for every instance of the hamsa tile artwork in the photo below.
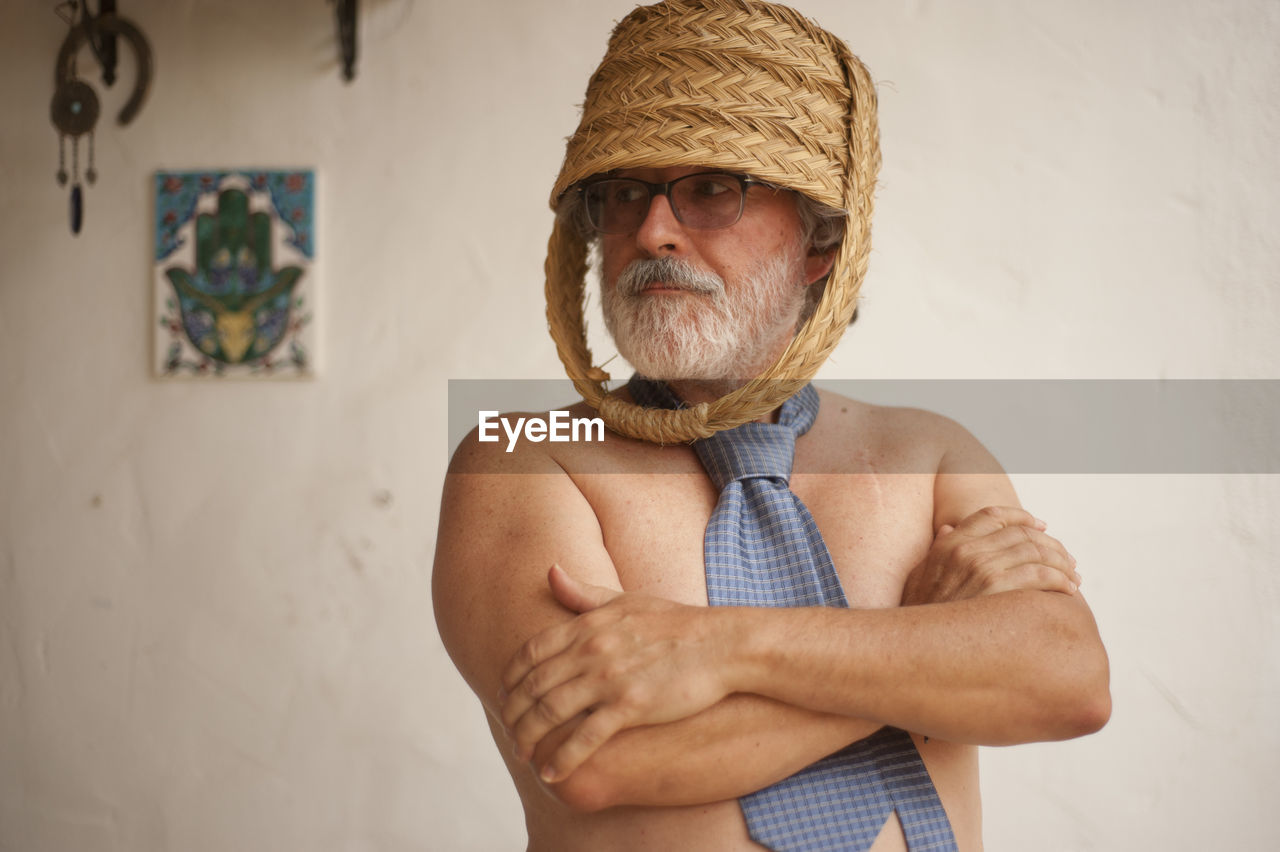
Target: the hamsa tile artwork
pixel 234 274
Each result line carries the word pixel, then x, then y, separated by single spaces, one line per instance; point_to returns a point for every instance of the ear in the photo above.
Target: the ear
pixel 818 264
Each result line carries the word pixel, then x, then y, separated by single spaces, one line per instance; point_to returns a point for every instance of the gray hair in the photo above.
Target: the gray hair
pixel 822 230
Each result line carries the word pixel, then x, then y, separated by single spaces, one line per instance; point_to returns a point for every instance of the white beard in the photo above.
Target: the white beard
pixel 710 334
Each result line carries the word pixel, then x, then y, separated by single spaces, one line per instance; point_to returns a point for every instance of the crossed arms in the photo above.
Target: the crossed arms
pixel 626 698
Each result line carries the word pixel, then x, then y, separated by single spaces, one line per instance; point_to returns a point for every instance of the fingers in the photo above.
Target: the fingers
pixel 1046 551
pixel 542 686
pixel 537 682
pixel 614 665
pixel 1015 557
pixel 586 739
pixel 559 690
pixel 576 595
pixel 1031 576
pixel 993 518
pixel 533 653
pixel 528 722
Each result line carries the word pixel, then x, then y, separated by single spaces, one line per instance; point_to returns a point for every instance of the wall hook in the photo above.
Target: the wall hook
pixel 347 11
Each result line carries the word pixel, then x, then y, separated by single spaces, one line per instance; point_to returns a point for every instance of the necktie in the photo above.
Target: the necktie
pixel 762 548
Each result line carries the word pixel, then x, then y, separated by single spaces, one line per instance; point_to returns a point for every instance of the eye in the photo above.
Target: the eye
pixel 614 193
pixel 711 186
pixel 629 193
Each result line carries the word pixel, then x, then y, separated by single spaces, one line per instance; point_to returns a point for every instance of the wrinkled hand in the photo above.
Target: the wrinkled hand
pixel 628 659
pixel 996 549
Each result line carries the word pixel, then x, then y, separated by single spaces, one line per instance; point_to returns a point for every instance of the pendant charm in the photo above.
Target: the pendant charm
pixel 74 110
pixel 77 209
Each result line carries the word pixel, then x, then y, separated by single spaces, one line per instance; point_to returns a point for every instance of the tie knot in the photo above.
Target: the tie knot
pixel 760 449
pixel 752 450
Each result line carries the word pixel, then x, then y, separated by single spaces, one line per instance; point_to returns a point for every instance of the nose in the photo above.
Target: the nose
pixel 661 232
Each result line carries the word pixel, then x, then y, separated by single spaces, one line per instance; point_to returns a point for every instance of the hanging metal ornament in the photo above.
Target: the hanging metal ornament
pixel 74 109
pixel 74 112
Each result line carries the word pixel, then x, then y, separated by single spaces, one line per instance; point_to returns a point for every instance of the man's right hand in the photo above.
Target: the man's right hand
pixel 996 549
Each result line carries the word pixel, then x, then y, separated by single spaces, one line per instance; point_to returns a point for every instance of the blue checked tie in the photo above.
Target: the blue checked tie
pixel 762 548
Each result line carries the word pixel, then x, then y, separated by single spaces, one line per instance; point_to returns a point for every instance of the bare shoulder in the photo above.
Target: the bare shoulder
pixel 498 444
pixel 564 440
pixel 507 478
pixel 894 439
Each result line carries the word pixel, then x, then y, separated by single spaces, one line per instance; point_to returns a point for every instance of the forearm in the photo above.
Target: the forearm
pixel 995 670
pixel 740 745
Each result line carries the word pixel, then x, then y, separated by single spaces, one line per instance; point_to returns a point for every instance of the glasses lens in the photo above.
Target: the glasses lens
pixel 616 206
pixel 703 202
pixel 707 202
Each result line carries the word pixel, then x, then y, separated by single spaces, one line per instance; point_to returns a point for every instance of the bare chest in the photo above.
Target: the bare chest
pixel 876 526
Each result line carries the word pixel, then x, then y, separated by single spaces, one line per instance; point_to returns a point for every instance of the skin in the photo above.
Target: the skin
pixel 770 226
pixel 631 715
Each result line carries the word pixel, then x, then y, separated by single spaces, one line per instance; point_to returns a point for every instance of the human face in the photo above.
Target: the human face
pixel 718 306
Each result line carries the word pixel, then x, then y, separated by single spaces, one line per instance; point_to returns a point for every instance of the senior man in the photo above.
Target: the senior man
pixel 793 632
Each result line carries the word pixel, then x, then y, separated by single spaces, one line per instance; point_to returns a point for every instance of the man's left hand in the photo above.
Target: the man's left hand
pixel 628 659
pixel 996 549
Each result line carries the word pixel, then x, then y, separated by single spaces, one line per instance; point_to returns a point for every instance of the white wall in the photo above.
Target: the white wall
pixel 215 618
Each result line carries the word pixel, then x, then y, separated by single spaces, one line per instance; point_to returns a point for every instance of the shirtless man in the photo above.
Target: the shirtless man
pixel 569 582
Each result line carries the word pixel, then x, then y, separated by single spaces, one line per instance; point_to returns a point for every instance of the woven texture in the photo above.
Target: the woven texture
pixel 744 86
pixel 841 802
pixel 763 548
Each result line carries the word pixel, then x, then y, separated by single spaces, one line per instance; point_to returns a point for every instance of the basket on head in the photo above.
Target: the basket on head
pixel 740 85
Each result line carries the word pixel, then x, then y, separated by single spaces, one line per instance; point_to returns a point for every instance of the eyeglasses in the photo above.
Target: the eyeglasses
pixel 705 201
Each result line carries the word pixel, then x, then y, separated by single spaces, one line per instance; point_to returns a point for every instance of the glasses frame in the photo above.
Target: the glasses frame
pixel 745 182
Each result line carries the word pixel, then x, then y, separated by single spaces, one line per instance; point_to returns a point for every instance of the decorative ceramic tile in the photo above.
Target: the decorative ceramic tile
pixel 234 273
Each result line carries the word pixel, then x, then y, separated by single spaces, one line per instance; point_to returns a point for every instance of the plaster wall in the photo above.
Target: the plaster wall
pixel 215 614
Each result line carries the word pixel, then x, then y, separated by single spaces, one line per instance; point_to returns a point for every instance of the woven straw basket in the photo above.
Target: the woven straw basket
pixel 734 84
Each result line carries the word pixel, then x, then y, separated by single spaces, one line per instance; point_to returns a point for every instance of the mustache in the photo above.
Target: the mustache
pixel 675 272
